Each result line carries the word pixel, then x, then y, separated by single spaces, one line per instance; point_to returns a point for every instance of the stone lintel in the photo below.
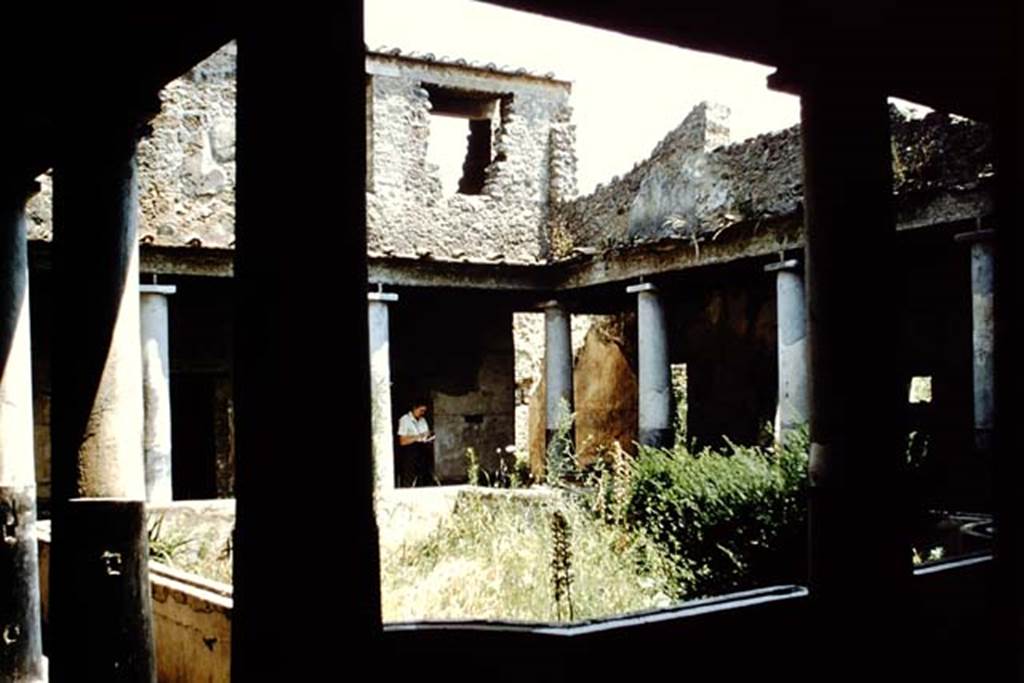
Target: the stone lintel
pixel 386 297
pixel 789 264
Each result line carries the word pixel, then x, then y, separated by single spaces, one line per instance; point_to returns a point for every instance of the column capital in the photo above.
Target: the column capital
pixel 135 115
pixel 641 287
pixel 111 130
pixel 19 187
pixel 551 303
pixel 166 290
pixel 789 264
pixel 385 297
pixel 975 236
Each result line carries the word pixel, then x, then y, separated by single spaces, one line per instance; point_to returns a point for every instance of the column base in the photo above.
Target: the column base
pixel 983 440
pixel 21 649
pixel 101 624
pixel 657 438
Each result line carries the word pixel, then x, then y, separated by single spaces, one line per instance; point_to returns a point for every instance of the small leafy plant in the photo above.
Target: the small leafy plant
pixel 561 455
pixel 166 547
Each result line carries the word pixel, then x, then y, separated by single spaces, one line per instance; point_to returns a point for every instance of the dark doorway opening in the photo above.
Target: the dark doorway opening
pixel 193 436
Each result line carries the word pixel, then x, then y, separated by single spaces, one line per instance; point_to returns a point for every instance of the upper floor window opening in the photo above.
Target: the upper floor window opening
pixel 464 126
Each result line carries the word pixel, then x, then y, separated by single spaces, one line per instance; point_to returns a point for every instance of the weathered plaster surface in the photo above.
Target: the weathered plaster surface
pixel 463 366
pixel 187 166
pixel 604 389
pixel 528 335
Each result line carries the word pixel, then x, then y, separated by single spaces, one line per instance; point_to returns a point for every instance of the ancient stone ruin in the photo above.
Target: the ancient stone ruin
pixel 215 287
pixel 473 270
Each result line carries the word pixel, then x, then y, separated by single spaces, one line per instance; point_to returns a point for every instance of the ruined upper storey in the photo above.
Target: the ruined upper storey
pixel 518 160
pixel 697 187
pixel 186 167
pixel 516 200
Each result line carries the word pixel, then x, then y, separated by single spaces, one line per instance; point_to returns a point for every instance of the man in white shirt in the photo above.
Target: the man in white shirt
pixel 416 448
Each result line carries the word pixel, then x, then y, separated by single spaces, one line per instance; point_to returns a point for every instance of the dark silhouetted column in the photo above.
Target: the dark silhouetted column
pixel 304 465
pixel 1007 596
pixel 860 560
pixel 100 606
pixel 21 655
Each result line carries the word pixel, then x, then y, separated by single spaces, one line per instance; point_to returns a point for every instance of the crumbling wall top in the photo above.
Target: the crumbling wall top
pixel 186 167
pixel 378 57
pixel 696 185
pixel 516 157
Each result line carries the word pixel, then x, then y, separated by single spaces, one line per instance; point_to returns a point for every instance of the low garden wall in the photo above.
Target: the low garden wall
pixel 191 614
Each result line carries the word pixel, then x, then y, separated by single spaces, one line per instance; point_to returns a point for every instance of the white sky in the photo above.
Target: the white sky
pixel 627 93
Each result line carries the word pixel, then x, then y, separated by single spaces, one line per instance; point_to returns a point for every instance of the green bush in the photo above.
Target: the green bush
pixel 731 520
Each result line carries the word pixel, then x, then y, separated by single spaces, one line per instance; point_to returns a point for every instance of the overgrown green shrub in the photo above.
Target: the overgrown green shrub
pixel 625 533
pixel 731 520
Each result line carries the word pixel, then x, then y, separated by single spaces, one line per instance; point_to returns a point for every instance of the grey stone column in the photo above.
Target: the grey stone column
pixel 380 390
pixel 654 373
pixel 156 385
pixel 793 408
pixel 983 335
pixel 21 654
pixel 100 610
pixel 558 399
